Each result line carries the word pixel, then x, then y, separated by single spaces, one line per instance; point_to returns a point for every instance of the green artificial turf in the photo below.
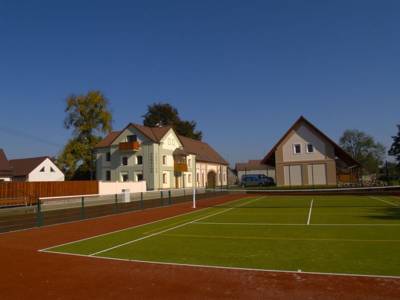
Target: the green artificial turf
pixel 347 234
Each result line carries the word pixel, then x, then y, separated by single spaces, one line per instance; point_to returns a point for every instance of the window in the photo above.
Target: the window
pixel 164 178
pixel 197 177
pixel 108 175
pixel 297 148
pixel 131 138
pixel 164 159
pixel 310 148
pixel 52 170
pixel 42 170
pixel 124 160
pixel 189 162
pixel 139 177
pixel 139 160
pixel 189 178
pixel 108 156
pixel 124 177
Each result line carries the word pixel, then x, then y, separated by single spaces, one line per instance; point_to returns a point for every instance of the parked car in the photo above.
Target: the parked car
pixel 256 180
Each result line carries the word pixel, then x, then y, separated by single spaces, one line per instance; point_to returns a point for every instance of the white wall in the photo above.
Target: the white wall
pixel 47 175
pixel 109 188
pixel 304 136
pixel 5 179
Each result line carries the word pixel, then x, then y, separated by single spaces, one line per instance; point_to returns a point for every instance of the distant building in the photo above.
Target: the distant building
pixel 35 169
pixel 306 156
pixel 5 168
pixel 159 156
pixel 254 167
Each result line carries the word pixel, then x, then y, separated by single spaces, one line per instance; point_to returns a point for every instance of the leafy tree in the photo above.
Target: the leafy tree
pixel 363 148
pixel 395 148
pixel 89 118
pixel 164 114
pixel 161 114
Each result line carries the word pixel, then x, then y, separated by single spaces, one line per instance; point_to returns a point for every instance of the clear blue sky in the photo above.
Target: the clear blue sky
pixel 244 70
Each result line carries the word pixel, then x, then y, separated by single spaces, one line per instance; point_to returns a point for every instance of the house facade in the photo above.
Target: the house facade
pixel 159 156
pixel 305 156
pixel 5 168
pixel 35 169
pixel 253 167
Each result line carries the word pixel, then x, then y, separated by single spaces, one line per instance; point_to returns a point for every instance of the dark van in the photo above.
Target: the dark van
pixel 256 180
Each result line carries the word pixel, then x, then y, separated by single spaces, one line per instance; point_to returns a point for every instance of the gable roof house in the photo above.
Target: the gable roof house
pixel 35 169
pixel 160 156
pixel 306 156
pixel 5 167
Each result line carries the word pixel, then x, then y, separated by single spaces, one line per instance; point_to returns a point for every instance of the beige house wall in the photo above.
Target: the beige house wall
pixel 324 154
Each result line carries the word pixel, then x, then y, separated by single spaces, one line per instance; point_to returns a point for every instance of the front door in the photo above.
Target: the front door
pixel 177 182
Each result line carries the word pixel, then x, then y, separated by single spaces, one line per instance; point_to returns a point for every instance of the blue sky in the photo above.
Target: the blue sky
pixel 244 70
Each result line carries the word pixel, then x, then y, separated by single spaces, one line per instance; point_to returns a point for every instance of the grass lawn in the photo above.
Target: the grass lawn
pixel 327 234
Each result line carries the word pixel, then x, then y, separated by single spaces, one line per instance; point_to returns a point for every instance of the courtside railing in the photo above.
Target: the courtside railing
pixel 55 210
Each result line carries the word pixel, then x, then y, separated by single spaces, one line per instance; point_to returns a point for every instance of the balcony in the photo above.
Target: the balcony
pixel 180 167
pixel 129 146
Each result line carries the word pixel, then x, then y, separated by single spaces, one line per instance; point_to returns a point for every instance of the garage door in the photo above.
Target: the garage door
pixel 292 175
pixel 317 174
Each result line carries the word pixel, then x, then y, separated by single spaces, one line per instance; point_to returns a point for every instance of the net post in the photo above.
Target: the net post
pixel 194 197
pixel 169 197
pixel 82 207
pixel 141 200
pixel 39 217
pixel 161 197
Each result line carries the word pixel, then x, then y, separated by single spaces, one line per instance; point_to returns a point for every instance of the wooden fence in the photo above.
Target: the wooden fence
pixel 17 193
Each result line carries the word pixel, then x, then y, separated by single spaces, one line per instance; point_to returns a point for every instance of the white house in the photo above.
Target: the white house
pixel 35 169
pixel 159 156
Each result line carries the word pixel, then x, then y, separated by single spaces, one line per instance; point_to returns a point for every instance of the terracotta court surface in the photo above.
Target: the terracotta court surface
pixel 27 273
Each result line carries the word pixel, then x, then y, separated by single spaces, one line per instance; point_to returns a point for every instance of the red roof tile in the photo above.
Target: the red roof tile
pixel 22 167
pixel 5 167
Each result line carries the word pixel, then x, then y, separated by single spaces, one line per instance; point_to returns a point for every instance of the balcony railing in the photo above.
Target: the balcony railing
pixel 180 167
pixel 129 146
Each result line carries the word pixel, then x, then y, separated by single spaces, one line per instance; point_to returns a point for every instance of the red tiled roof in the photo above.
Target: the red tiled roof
pixel 22 167
pixel 107 141
pixel 203 151
pixel 251 165
pixel 5 167
pixel 154 133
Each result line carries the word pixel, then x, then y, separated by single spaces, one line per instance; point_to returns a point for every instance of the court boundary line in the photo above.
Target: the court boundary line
pixel 226 237
pixel 172 228
pixel 385 201
pixel 310 211
pixel 127 228
pixel 225 267
pixel 293 224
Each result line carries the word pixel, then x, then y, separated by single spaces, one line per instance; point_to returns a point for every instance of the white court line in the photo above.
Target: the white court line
pixel 227 268
pixel 172 228
pixel 272 238
pixel 309 213
pixel 290 224
pixel 385 201
pixel 124 229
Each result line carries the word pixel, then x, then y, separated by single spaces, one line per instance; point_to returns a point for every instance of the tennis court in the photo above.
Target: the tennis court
pixel 318 234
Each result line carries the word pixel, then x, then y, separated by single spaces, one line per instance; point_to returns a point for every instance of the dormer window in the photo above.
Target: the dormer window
pixel 310 148
pixel 131 138
pixel 42 170
pixel 297 148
